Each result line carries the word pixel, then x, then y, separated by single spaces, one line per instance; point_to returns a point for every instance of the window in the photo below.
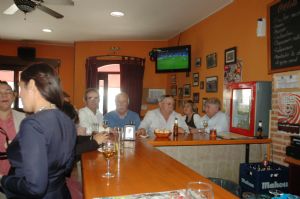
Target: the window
pixel 109 86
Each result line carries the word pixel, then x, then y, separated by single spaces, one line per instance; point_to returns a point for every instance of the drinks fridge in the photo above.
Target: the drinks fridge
pixel 246 104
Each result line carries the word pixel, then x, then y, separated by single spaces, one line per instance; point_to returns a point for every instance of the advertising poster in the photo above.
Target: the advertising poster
pixel 289 111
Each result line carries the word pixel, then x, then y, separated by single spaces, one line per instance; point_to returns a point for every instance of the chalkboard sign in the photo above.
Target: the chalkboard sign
pixel 284 35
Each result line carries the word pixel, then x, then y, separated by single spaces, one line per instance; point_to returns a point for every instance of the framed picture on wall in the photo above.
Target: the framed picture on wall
pixel 195 79
pixel 201 85
pixel 230 56
pixel 196 97
pixel 173 90
pixel 203 104
pixel 173 79
pixel 211 60
pixel 187 90
pixel 180 92
pixel 212 84
pixel 198 62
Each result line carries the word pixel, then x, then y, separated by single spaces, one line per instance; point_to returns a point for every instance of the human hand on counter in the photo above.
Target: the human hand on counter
pixel 141 132
pixel 100 137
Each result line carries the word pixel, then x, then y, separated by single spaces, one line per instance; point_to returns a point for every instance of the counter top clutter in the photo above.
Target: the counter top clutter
pixel 140 168
pixel 205 139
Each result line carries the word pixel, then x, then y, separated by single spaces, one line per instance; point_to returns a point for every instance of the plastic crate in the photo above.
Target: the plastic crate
pixel 256 178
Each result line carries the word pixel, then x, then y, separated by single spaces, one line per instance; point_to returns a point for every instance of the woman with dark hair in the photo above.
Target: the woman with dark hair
pixel 42 153
pixel 192 119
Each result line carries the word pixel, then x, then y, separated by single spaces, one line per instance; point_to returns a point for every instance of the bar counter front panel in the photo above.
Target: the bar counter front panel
pixel 218 158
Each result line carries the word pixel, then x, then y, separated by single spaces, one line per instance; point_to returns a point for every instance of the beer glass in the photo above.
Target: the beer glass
pixel 199 190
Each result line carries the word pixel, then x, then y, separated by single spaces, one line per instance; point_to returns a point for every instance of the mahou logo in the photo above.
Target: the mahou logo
pixel 268 185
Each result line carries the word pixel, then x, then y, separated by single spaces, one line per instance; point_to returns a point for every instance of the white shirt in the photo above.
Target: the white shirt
pixel 88 120
pixel 155 120
pixel 197 120
pixel 219 121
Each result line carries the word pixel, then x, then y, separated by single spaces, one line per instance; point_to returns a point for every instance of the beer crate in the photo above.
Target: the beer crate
pixel 259 179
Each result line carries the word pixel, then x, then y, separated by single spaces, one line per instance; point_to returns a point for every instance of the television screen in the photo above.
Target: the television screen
pixel 173 59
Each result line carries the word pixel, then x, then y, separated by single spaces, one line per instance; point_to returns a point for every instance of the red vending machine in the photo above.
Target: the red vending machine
pixel 246 104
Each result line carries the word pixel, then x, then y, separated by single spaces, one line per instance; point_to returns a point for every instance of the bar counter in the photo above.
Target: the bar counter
pixel 141 168
pixel 217 158
pixel 204 139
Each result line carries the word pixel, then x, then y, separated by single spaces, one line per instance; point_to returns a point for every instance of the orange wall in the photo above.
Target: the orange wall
pixel 64 52
pixel 140 49
pixel 235 25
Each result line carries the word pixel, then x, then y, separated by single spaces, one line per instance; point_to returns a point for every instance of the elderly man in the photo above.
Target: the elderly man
pixel 214 117
pixel 162 118
pixel 122 116
pixel 90 117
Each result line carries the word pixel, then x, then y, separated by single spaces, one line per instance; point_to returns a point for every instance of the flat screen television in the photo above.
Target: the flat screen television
pixel 173 59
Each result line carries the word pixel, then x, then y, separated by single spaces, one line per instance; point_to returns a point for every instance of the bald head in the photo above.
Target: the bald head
pixel 122 101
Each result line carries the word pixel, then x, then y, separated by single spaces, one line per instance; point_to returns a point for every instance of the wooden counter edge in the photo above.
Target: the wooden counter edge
pixel 208 142
pixel 291 160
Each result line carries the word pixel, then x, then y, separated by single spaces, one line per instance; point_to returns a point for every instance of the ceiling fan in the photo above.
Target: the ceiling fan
pixel 27 6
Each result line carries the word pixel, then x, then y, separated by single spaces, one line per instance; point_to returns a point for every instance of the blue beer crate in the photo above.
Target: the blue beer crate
pixel 256 178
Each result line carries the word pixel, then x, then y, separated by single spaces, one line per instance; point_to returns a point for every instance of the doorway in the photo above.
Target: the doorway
pixel 109 86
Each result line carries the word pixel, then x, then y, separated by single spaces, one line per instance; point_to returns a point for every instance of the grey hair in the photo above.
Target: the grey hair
pixel 214 101
pixel 89 90
pixel 161 98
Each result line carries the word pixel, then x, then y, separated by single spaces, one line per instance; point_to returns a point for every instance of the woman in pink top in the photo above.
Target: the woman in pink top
pixel 9 121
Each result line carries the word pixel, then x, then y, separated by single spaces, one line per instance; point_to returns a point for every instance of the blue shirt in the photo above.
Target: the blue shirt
pixel 114 120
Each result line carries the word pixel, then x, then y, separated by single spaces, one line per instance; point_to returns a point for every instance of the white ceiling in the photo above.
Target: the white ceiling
pixel 90 20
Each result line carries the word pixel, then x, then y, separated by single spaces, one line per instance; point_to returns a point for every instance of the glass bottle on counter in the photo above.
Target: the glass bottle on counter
pixel 175 128
pixel 259 130
pixel 265 161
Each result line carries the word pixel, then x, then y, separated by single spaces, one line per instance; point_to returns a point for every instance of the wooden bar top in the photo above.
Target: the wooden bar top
pixel 140 169
pixel 292 160
pixel 204 139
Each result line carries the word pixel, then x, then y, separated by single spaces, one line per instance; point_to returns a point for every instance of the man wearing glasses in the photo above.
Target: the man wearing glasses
pixel 90 117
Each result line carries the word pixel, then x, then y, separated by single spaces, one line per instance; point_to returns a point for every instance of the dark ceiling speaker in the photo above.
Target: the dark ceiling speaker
pixel 26 53
pixel 25 5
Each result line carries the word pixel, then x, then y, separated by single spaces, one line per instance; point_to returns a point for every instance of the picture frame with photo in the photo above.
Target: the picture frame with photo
pixel 201 85
pixel 204 99
pixel 196 97
pixel 174 90
pixel 230 55
pixel 212 84
pixel 211 60
pixel 195 79
pixel 173 79
pixel 187 90
pixel 180 92
pixel 198 62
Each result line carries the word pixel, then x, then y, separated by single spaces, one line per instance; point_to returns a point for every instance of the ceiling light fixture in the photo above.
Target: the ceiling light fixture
pixel 47 30
pixel 11 10
pixel 117 14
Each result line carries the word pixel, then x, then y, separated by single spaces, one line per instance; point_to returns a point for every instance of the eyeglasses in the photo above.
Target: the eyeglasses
pixel 6 93
pixel 92 98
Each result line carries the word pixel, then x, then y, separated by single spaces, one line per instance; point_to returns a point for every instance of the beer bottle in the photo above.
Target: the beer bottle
pixel 175 128
pixel 265 161
pixel 259 130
